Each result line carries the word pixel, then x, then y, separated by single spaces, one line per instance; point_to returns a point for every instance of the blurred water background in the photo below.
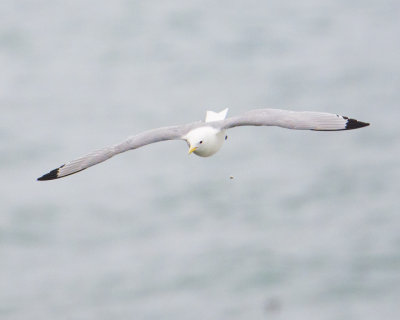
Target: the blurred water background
pixel 308 228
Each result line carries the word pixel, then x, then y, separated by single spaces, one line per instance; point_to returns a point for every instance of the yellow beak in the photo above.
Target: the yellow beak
pixel 192 149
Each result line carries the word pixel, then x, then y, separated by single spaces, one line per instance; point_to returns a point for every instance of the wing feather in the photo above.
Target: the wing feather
pixel 134 142
pixel 300 120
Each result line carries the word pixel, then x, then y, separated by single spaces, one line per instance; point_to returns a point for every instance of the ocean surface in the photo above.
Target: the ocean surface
pixel 308 227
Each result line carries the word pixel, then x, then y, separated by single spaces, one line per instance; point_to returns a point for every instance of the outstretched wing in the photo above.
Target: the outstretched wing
pixel 303 120
pixel 134 142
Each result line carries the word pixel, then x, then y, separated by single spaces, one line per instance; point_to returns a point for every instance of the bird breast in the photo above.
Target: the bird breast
pixel 212 142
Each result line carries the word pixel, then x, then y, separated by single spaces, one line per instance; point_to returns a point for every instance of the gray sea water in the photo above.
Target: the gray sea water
pixel 309 226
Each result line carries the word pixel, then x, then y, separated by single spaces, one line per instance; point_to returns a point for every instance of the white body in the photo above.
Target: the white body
pixel 205 141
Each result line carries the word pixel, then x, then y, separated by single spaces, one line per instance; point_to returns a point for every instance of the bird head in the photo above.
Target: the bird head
pixel 196 140
pixel 204 141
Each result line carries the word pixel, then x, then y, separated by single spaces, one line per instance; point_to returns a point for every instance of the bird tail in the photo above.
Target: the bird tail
pixel 216 116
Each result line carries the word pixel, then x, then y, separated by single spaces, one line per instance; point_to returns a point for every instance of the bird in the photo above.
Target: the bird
pixel 205 138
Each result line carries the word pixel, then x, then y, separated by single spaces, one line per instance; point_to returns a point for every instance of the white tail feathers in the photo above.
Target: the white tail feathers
pixel 216 116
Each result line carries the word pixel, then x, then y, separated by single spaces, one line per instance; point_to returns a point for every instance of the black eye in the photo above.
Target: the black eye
pixel 201 142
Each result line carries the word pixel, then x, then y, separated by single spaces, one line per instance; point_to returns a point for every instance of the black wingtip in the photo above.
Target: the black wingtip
pixel 49 176
pixel 354 124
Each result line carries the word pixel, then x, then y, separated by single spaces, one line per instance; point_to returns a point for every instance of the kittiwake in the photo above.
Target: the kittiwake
pixel 206 138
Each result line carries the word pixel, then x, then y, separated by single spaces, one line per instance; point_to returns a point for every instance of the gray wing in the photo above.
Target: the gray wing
pixel 134 142
pixel 303 120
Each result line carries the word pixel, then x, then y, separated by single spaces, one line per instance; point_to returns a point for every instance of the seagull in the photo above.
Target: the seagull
pixel 205 138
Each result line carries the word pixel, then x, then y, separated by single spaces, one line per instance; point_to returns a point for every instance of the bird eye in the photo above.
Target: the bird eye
pixel 201 142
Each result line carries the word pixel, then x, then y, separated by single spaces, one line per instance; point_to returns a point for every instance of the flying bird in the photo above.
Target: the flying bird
pixel 205 138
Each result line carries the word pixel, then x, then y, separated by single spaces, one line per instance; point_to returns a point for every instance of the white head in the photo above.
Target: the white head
pixel 205 141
